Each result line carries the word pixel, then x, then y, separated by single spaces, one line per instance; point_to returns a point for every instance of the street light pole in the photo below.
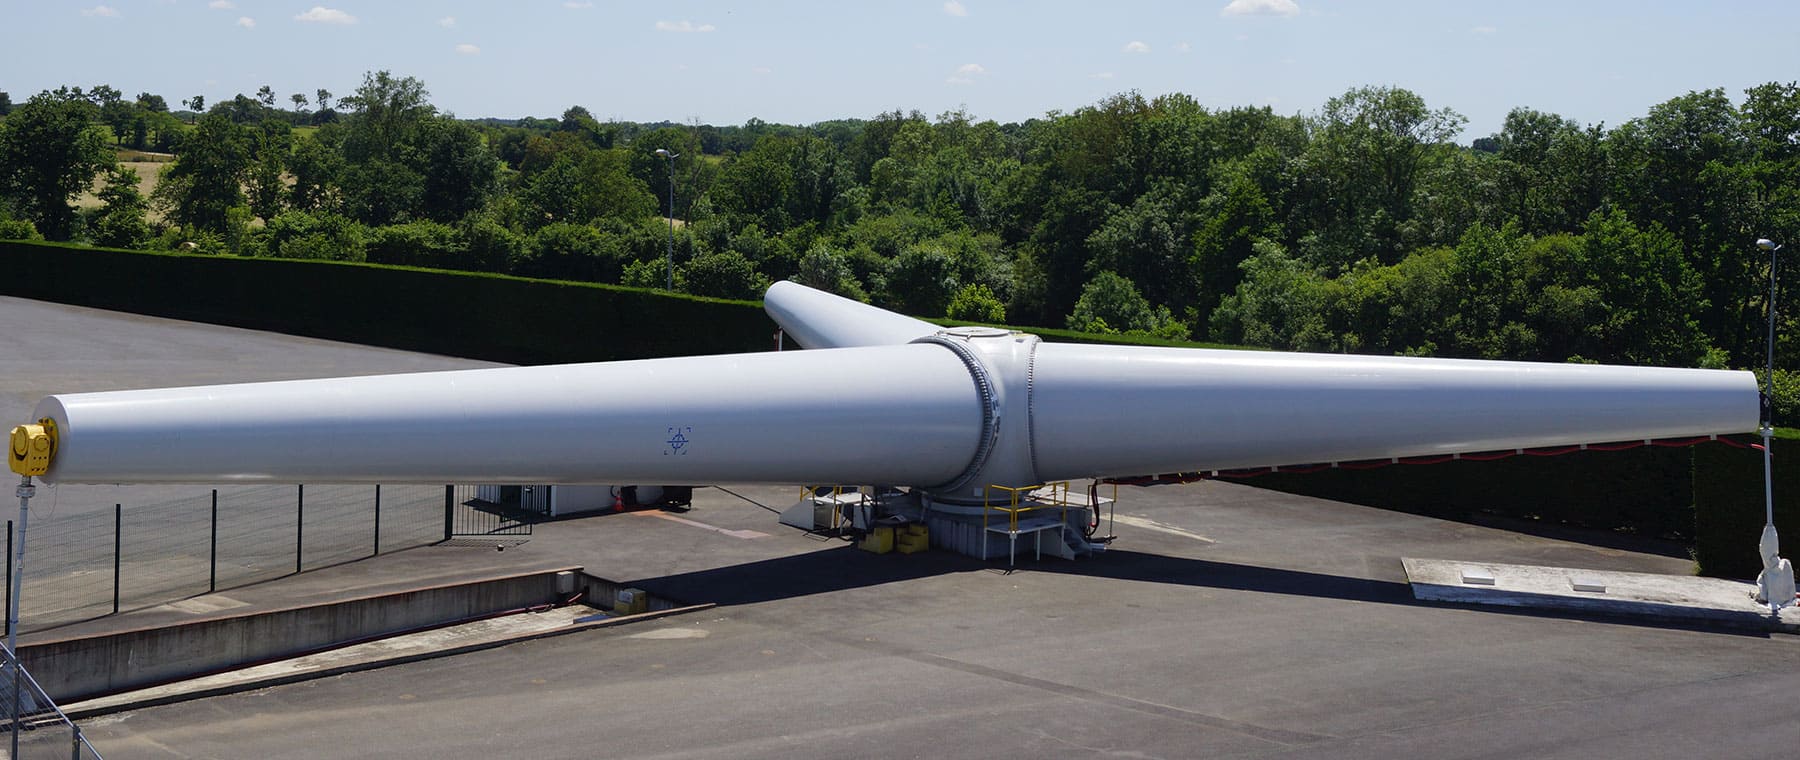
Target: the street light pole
pixel 1775 585
pixel 664 153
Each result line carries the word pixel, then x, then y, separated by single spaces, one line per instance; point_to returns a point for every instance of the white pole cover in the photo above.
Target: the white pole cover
pixel 906 414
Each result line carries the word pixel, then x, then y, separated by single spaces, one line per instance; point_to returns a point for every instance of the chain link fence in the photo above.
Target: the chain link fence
pixel 34 726
pixel 84 566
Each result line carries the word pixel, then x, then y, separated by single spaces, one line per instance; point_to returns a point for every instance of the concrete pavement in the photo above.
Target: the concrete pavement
pixel 1226 621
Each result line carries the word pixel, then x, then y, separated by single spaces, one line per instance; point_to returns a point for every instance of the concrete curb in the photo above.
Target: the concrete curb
pixel 107 705
pixel 1679 599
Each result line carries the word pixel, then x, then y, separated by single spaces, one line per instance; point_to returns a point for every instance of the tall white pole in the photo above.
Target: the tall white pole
pixel 1768 426
pixel 665 153
pixel 15 670
pixel 1775 585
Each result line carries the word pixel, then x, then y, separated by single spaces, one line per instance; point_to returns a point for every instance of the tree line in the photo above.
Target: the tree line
pixel 1363 226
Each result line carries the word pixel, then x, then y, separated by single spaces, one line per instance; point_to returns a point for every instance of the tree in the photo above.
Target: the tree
pixel 266 96
pixel 48 155
pixel 385 108
pixel 976 303
pixel 152 102
pixel 299 101
pixel 587 186
pixel 120 222
pixel 828 269
pixel 1110 303
pixel 1370 146
pixel 724 274
pixel 324 113
pixel 206 182
pixel 315 166
pixel 456 166
pixel 197 104
pixel 103 95
pixel 6 104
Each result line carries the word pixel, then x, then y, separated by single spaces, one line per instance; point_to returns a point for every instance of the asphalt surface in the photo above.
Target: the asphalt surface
pixel 1227 621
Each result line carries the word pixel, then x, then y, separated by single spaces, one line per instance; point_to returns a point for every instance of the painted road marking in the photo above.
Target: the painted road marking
pixel 1149 524
pixel 698 524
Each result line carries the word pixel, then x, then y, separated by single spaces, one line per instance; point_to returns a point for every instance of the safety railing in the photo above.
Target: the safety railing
pixel 1022 500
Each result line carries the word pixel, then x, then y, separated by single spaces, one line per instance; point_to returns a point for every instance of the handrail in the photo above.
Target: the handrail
pixel 1056 498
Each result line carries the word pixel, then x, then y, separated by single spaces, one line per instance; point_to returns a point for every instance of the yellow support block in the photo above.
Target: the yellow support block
pixel 33 446
pixel 880 540
pixel 907 544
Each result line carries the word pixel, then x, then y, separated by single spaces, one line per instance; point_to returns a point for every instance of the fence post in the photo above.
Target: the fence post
pixel 118 550
pixel 9 572
pixel 449 510
pixel 299 525
pixel 377 518
pixel 212 573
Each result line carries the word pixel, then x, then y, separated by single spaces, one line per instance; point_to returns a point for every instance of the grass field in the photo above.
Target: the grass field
pixel 147 166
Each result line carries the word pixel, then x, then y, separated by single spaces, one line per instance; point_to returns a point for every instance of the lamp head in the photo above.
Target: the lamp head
pixel 1767 244
pixel 664 153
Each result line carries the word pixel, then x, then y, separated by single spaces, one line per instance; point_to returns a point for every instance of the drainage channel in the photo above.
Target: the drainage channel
pixel 100 674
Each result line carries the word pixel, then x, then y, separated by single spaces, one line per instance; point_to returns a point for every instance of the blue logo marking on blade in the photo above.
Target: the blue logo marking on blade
pixel 679 440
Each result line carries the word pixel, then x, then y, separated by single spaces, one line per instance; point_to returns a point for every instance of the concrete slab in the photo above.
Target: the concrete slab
pixel 1647 596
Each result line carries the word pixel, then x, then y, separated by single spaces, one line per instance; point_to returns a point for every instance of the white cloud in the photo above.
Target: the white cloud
pixel 683 26
pixel 1101 75
pixel 221 5
pixel 323 15
pixel 762 71
pixel 1182 47
pixel 246 22
pixel 1261 8
pixel 955 8
pixel 100 11
pixel 966 73
pixel 467 49
pixel 447 22
pixel 573 4
pixel 1485 29
pixel 1136 47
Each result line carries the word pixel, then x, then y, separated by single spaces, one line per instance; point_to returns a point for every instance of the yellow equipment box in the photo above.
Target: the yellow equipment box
pixel 880 540
pixel 631 601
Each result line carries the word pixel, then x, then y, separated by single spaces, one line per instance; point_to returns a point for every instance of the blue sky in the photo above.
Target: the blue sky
pixel 801 61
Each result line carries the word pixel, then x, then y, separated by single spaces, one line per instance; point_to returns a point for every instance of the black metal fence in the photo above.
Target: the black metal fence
pixel 85 566
pixel 34 726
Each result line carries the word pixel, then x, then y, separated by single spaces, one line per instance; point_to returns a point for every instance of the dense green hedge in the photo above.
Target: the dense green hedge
pixel 492 317
pixel 1645 491
pixel 1710 495
pixel 1728 501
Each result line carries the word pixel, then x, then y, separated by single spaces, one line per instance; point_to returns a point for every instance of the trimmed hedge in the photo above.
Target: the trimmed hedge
pixel 480 316
pixel 1645 491
pixel 1710 495
pixel 1728 500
